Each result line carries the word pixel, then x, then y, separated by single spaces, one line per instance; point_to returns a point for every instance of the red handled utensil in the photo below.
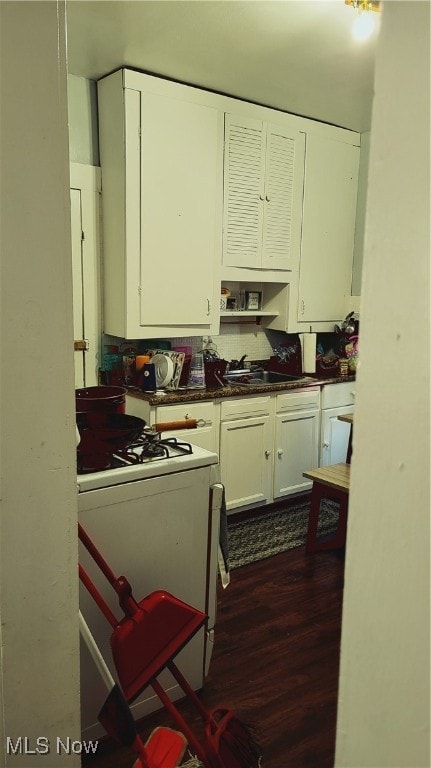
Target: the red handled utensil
pixel 152 631
pixel 165 747
pixel 146 641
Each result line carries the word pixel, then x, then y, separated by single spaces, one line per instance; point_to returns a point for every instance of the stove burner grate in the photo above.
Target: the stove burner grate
pixel 148 446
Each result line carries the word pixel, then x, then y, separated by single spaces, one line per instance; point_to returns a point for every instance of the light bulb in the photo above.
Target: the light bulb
pixel 363 26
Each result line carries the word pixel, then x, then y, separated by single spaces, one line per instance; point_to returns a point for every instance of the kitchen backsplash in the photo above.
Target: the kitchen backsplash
pixel 232 342
pixel 237 340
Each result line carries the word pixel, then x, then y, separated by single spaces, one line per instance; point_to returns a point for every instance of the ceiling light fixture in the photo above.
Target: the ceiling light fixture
pixel 363 26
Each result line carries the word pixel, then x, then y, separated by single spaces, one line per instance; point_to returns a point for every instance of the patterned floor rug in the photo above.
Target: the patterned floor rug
pixel 273 532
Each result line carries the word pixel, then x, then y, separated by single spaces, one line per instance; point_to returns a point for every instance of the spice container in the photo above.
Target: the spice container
pixel 343 365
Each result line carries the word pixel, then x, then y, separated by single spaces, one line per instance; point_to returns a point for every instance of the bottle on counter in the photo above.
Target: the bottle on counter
pixel 197 371
pixel 146 373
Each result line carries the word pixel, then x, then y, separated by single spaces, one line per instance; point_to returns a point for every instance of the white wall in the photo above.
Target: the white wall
pixel 83 125
pixel 358 251
pixel 384 694
pixel 38 574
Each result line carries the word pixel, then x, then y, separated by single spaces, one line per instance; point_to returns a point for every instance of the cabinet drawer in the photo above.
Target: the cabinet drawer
pixel 242 407
pixel 300 400
pixel 335 395
pixel 206 435
pixel 182 411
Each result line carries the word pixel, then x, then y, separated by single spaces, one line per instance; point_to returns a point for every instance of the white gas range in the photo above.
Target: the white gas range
pixel 178 458
pixel 155 521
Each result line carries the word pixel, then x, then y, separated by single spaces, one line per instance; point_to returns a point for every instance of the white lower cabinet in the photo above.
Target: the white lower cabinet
pixel 337 399
pixel 296 442
pixel 246 443
pixel 264 442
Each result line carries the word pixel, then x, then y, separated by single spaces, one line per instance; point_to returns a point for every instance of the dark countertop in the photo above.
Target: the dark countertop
pixel 197 395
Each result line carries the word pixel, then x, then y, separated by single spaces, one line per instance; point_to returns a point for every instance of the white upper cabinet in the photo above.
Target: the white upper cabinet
pixel 197 186
pixel 161 158
pixel 328 228
pixel 263 181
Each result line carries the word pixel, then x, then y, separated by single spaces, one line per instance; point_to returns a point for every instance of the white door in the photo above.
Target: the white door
pixel 84 207
pixel 334 436
pixel 246 460
pixel 296 450
pixel 78 304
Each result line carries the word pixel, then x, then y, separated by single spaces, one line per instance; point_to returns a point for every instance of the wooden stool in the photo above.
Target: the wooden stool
pixel 331 482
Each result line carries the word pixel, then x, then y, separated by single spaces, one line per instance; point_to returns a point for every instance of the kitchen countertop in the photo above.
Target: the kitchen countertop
pixel 197 395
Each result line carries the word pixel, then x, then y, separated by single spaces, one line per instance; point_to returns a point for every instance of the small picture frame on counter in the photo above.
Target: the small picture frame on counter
pixel 253 300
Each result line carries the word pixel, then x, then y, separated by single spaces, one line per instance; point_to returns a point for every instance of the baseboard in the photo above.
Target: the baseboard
pixel 248 514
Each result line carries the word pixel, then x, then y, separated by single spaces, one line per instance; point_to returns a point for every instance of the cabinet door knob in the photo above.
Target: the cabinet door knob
pixel 280 452
pixel 261 197
pixel 267 454
pixel 267 198
pixel 326 445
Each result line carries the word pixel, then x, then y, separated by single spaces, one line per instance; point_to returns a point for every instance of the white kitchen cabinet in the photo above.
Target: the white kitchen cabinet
pixel 337 399
pixel 296 444
pixel 161 158
pixel 263 181
pixel 206 434
pixel 246 444
pixel 328 229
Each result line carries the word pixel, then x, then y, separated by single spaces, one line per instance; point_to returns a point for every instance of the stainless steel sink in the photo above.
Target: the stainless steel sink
pixel 249 378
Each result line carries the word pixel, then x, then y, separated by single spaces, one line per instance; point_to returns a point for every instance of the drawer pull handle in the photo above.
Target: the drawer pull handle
pixel 199 422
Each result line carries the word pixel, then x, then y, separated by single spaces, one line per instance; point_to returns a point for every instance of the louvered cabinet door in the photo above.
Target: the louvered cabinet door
pixel 243 191
pixel 284 175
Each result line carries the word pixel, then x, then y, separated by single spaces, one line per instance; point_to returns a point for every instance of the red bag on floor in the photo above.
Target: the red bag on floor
pixel 229 742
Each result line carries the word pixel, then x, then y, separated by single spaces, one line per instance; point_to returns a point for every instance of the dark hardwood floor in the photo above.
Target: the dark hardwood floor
pixel 275 660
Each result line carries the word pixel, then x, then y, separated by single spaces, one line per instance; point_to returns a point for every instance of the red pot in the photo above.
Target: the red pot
pixel 107 399
pixel 102 435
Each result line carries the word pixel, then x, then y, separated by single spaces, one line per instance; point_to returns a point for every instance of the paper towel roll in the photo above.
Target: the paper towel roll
pixel 308 347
